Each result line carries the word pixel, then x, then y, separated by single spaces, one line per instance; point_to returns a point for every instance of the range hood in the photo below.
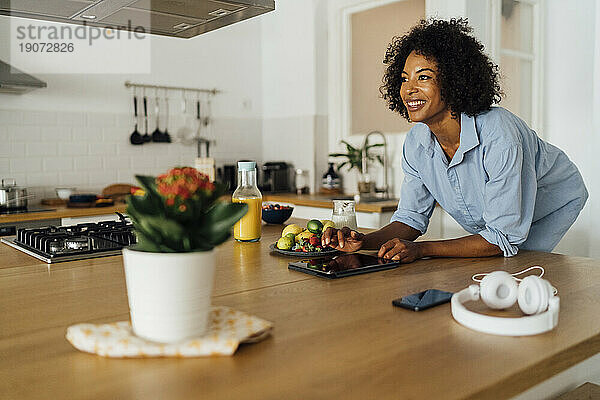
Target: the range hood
pixel 179 18
pixel 15 81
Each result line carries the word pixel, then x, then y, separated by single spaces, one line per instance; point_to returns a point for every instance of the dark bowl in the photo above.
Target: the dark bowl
pixel 277 216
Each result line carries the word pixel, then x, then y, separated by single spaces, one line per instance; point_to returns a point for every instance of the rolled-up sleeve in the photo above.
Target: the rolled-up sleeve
pixel 509 197
pixel 416 202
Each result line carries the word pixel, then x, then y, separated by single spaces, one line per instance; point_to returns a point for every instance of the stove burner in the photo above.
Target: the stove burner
pixel 77 243
pixel 66 243
pixel 56 246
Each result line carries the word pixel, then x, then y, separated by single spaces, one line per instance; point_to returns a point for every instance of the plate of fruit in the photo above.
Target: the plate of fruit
pixel 304 242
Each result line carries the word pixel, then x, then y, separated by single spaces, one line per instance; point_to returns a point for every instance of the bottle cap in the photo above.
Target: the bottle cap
pixel 246 165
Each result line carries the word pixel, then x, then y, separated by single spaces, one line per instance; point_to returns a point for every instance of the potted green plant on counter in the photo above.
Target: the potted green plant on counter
pixel 170 271
pixel 354 159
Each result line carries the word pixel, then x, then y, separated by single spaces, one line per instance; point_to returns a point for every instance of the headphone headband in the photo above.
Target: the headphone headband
pixel 523 326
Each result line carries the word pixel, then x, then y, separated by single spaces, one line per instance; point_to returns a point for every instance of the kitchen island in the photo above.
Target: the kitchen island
pixel 331 338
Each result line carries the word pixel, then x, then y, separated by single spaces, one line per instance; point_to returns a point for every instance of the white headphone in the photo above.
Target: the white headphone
pixel 499 290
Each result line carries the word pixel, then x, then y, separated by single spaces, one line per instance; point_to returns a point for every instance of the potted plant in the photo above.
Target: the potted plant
pixel 169 272
pixel 354 158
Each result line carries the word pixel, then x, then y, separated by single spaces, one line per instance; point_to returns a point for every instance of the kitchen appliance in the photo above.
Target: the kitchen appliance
pixel 275 177
pixel 13 197
pixel 181 18
pixel 10 228
pixel 227 175
pixel 302 182
pixel 54 244
pixel 15 81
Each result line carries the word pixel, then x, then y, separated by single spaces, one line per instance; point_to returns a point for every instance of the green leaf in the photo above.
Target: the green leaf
pixel 221 218
pixel 148 183
pixel 342 164
pixel 141 205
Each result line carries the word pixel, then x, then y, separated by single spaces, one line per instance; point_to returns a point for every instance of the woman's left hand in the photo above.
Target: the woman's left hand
pixel 400 250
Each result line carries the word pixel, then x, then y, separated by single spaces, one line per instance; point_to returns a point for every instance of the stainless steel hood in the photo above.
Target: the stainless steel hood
pixel 15 81
pixel 179 18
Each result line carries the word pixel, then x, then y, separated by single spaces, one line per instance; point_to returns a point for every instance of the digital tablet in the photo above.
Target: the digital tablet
pixel 342 265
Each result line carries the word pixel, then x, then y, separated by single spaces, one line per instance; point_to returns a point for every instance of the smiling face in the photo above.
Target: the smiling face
pixel 420 91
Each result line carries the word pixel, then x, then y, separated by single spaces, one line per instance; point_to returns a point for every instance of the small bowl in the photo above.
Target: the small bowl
pixel 64 193
pixel 277 217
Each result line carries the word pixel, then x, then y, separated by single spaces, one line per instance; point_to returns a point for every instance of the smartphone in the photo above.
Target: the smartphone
pixel 423 300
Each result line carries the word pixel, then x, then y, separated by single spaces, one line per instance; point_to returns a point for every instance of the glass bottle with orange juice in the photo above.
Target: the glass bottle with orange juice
pixel 248 229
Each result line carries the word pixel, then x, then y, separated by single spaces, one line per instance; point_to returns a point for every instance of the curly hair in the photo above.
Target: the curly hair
pixel 468 78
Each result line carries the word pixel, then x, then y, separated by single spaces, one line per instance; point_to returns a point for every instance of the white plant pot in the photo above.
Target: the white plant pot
pixel 169 293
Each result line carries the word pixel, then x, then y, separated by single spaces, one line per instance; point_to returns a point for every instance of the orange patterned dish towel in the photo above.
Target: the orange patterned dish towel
pixel 227 329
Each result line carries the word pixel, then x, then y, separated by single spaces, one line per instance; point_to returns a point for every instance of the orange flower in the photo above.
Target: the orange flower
pixel 181 184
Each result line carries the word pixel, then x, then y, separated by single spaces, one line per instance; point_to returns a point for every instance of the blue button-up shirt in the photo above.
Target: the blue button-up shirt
pixel 503 183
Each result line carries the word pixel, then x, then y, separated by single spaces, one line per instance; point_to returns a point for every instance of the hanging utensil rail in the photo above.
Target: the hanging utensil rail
pixel 213 92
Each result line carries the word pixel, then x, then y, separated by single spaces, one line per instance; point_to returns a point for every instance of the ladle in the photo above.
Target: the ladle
pixel 146 137
pixel 157 135
pixel 136 137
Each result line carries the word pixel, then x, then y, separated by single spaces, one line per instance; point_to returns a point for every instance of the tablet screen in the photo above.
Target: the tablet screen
pixel 345 264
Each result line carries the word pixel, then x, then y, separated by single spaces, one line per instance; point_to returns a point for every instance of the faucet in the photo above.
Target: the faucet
pixel 365 160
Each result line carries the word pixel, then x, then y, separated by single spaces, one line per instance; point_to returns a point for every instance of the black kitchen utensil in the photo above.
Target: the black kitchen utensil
pixel 166 136
pixel 146 137
pixel 136 137
pixel 157 135
pixel 199 119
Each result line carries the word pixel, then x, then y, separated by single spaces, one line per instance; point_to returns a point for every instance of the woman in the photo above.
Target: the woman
pixel 482 164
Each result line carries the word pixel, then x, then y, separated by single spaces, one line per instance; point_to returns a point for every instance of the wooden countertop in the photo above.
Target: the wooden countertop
pixel 61 212
pixel 322 201
pixel 332 338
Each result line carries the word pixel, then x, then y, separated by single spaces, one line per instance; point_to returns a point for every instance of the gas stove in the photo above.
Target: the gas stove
pixel 67 243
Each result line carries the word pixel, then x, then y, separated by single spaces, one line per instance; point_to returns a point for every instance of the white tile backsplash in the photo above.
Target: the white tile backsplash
pixel 41 149
pixel 57 134
pixel 58 164
pixel 11 117
pixel 24 133
pixel 89 151
pixel 102 148
pixel 86 163
pixel 72 149
pixel 100 119
pixel 25 164
pixel 4 166
pixel 41 179
pixel 4 136
pixel 70 119
pixel 40 118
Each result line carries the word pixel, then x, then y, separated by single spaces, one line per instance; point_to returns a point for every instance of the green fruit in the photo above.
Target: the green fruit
pixel 291 236
pixel 293 228
pixel 314 226
pixel 285 243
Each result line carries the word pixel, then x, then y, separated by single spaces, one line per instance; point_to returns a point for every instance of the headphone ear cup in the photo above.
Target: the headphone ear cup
pixel 498 290
pixel 534 293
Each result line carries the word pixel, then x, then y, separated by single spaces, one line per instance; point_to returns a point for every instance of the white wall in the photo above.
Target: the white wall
pixel 594 180
pixel 570 37
pixel 76 131
pixel 228 59
pixel 293 98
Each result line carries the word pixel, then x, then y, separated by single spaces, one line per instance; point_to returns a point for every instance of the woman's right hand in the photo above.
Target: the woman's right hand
pixel 344 239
